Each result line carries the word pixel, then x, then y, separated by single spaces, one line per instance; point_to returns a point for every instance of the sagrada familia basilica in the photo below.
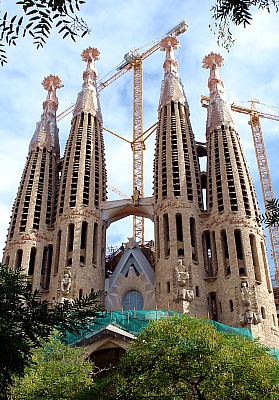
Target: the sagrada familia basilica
pixel 209 255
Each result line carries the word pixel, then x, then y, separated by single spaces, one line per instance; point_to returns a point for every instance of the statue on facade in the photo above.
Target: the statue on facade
pixel 66 282
pixel 249 316
pixel 182 293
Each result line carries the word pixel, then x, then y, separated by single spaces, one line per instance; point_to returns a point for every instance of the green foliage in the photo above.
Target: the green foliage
pixel 237 12
pixel 59 372
pixel 271 217
pixel 25 320
pixel 186 358
pixel 38 19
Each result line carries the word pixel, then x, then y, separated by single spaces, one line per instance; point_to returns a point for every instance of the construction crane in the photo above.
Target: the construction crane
pixel 263 168
pixel 133 61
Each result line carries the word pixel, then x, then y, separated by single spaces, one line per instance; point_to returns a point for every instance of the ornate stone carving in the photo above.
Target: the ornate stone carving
pixel 248 317
pixel 66 282
pixel 182 287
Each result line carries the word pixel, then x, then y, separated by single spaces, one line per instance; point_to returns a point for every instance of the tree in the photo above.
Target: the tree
pixel 37 19
pixel 26 320
pixel 59 372
pixel 237 12
pixel 186 358
pixel 271 217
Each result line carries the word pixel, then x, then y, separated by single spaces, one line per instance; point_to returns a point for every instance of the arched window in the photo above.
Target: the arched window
pixel 133 301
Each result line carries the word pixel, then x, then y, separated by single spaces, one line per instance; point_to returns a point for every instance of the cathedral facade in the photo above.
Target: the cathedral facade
pixel 210 252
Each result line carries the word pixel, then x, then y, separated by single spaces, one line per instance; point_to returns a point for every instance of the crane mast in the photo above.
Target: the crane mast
pixel 263 168
pixel 266 184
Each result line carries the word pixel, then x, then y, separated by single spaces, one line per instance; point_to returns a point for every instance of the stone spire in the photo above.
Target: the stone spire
pixel 172 88
pixel 46 132
pixel 219 110
pixel 88 98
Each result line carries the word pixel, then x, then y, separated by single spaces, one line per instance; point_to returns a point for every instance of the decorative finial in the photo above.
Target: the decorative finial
pixel 169 44
pixel 52 82
pixel 219 111
pixel 90 55
pixel 90 52
pixel 212 60
pixel 169 41
pixel 88 98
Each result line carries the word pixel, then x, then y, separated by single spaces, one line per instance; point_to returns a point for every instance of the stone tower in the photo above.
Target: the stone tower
pixel 177 195
pixel 210 252
pixel 30 235
pixel 239 289
pixel 80 233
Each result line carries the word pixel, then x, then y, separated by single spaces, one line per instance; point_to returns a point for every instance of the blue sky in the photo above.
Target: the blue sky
pixel 250 71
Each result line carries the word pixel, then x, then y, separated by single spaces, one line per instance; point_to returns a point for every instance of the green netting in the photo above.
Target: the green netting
pixel 229 329
pixel 135 321
pixel 274 352
pixel 131 321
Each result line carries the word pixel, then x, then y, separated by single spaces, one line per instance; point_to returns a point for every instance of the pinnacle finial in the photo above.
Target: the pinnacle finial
pixel 169 44
pixel 90 55
pixel 212 60
pixel 219 111
pixel 51 83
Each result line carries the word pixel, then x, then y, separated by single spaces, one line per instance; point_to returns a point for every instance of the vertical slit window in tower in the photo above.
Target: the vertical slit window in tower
pixel 238 156
pixel 155 164
pixel 44 267
pixel 168 287
pixel 193 234
pixel 18 198
pixel 47 273
pixel 187 167
pixel 197 291
pixel 229 173
pixel 225 252
pixel 220 200
pixel 25 209
pixel 255 258
pixel 213 313
pixel 81 119
pixel 76 161
pixel 83 241
pixel 164 156
pixel 49 211
pixel 18 259
pixel 179 234
pixel 196 165
pixel 157 238
pixel 207 254
pixel 231 305
pixel 239 252
pixel 166 235
pixel 63 180
pixel 97 164
pixel 266 269
pixel 174 153
pixel 32 259
pixel 95 245
pixel 71 234
pixel 209 180
pixel 40 190
pixel 214 253
pixel 104 172
pixel 57 252
pixel 87 166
